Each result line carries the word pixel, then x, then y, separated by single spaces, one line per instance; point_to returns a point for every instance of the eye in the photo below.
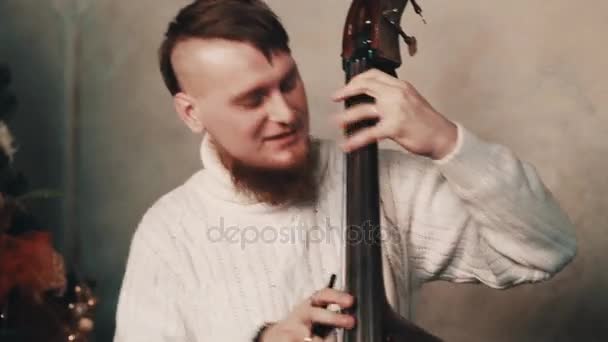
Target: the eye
pixel 254 100
pixel 289 84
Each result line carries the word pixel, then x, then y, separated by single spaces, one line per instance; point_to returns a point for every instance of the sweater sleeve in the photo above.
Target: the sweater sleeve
pixel 479 215
pixel 147 307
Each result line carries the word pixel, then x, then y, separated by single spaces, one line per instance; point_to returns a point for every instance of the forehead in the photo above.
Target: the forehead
pixel 227 66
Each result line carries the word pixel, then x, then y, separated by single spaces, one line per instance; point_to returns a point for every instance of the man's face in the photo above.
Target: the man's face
pixel 254 109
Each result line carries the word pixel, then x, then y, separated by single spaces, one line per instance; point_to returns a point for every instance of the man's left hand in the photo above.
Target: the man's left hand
pixel 403 115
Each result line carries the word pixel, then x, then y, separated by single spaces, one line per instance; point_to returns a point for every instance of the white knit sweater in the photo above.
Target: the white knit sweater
pixel 209 264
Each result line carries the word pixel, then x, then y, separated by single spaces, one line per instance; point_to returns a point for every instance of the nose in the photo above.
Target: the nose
pixel 279 110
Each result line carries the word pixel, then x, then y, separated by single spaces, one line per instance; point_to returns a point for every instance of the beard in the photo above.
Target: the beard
pixel 296 184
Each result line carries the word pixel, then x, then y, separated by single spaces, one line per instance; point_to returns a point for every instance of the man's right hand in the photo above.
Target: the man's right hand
pixel 297 326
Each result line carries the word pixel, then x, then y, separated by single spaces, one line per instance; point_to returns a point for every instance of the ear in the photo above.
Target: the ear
pixel 186 108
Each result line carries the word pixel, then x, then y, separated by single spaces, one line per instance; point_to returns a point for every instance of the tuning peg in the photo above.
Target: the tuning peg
pixel 411 42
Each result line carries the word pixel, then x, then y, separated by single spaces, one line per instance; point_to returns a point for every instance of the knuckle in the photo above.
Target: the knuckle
pixel 314 297
pixel 321 292
pixel 375 72
pixel 392 131
pixel 357 139
pixel 403 92
pixel 373 108
pixel 356 78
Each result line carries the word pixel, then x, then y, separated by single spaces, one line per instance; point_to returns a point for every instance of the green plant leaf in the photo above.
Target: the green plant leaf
pixel 40 194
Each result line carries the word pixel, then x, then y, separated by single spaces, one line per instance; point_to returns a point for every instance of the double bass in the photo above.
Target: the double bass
pixel 371 40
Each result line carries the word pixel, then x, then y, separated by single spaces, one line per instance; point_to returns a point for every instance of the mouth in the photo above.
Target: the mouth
pixel 281 136
pixel 283 139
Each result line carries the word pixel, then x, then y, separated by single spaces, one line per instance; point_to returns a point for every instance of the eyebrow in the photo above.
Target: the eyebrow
pixel 263 87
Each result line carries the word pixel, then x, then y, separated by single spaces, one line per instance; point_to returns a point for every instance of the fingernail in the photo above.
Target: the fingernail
pixel 349 321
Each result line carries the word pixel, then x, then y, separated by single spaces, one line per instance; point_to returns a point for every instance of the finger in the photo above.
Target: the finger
pixel 288 331
pixel 381 76
pixel 328 296
pixel 356 114
pixel 327 317
pixel 363 137
pixel 373 75
pixel 361 86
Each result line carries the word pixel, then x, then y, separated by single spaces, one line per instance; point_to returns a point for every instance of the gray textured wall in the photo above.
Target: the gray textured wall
pixel 95 121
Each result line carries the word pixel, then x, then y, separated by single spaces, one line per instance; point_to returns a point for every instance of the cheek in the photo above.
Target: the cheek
pixel 243 131
pixel 253 126
pixel 296 100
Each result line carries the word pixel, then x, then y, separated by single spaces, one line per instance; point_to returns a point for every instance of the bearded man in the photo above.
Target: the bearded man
pixel 234 253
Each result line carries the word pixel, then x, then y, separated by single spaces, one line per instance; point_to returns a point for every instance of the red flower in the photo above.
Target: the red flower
pixel 30 263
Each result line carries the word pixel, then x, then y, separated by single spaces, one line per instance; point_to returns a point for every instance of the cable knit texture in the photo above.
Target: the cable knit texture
pixel 210 264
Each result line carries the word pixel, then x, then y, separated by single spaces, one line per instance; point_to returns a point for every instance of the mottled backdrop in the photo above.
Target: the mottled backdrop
pixel 95 121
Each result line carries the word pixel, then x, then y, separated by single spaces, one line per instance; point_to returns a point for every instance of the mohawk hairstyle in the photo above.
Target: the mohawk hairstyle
pixel 250 21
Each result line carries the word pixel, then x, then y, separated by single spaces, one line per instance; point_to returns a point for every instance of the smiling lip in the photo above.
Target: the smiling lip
pixel 283 139
pixel 281 136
